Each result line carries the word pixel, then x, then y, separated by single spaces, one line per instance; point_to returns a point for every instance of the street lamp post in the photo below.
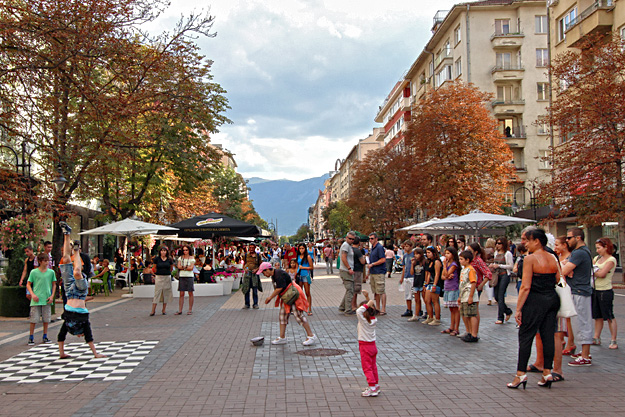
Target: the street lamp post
pixel 515 207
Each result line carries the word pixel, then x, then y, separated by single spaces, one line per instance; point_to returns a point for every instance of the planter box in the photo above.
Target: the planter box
pixel 227 286
pixel 236 284
pixel 13 302
pixel 201 290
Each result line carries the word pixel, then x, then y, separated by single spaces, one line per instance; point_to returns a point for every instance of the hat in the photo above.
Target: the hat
pixel 264 266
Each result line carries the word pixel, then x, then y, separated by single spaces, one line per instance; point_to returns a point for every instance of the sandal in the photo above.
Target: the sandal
pixel 613 345
pixel 533 368
pixel 177 313
pixel 189 313
pixel 557 377
pixel 151 314
pixel 447 331
pixel 596 341
pixel 499 322
pixel 569 351
pixel 310 313
pixel 454 333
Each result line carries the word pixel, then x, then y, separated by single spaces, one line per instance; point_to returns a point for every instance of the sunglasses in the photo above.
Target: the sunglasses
pixel 570 237
pixel 371 238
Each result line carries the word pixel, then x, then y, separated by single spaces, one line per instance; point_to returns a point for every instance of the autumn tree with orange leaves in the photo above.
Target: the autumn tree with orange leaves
pixel 459 160
pixel 381 198
pixel 588 114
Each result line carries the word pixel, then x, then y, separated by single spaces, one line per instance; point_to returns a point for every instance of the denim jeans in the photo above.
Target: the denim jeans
pixel 254 296
pixel 500 296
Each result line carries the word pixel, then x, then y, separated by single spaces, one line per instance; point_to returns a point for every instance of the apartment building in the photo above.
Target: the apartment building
pixel 572 21
pixel 501 47
pixel 338 186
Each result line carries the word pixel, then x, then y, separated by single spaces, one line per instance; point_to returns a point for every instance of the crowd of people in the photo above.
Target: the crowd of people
pixel 452 275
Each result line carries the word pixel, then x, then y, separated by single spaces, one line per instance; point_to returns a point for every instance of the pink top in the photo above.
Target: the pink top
pixel 389 254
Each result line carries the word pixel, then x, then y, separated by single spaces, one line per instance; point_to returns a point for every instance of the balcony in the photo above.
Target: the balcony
pixel 595 20
pixel 507 40
pixel 507 72
pixel 508 107
pixel 516 137
pixel 445 56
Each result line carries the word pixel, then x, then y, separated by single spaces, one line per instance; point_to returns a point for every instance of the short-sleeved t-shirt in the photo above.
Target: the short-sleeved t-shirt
pixel 377 253
pixel 327 252
pixel 163 267
pixel 407 260
pixel 468 275
pixel 290 254
pixel 347 248
pixel 281 278
pixel 358 266
pixel 42 285
pixel 580 282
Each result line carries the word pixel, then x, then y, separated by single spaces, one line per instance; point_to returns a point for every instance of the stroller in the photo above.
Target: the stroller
pixel 397 264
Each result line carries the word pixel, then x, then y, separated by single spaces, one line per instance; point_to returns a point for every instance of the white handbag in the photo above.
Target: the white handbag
pixel 567 308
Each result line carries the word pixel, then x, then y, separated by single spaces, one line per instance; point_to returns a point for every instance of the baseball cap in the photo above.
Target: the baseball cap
pixel 264 266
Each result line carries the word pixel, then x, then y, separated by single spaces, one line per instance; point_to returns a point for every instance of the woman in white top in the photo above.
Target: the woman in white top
pixel 185 278
pixel 502 266
pixel 603 296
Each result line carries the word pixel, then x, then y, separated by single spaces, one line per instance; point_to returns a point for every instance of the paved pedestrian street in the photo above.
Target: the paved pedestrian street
pixel 204 365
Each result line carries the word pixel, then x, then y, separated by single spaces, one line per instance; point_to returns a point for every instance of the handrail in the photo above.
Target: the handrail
pixel 598 4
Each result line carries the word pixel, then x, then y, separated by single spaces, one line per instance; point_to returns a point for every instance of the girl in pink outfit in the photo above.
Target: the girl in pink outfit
pixel 366 343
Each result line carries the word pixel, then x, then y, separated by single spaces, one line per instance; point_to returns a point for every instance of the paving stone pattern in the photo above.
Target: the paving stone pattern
pixel 205 365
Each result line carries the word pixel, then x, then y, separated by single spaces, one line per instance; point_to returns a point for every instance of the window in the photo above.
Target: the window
pixel 544 156
pixel 565 22
pixel 447 48
pixel 504 93
pixel 457 35
pixel 542 127
pixel 502 26
pixel 542 89
pixel 458 67
pixel 443 75
pixel 504 60
pixel 542 57
pixel 540 24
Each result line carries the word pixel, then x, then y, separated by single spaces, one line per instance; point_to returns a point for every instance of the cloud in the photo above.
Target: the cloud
pixel 305 78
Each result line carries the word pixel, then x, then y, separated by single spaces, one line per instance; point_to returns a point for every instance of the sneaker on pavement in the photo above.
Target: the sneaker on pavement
pixel 407 313
pixel 311 340
pixel 349 313
pixel 370 392
pixel 463 335
pixel 427 320
pixel 255 307
pixel 579 355
pixel 31 342
pixel 245 307
pixel 65 228
pixel 46 340
pixel 414 318
pixel 434 322
pixel 581 362
pixel 279 341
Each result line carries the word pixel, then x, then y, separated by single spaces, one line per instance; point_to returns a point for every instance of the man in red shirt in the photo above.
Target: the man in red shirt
pixel 289 253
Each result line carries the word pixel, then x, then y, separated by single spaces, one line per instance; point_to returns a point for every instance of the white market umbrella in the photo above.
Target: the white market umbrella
pixel 478 221
pixel 128 228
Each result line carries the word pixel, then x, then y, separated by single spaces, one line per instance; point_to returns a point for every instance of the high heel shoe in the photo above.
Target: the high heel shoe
pixel 546 381
pixel 522 380
pixel 569 351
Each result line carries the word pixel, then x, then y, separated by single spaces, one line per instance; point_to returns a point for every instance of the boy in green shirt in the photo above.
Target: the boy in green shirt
pixel 41 285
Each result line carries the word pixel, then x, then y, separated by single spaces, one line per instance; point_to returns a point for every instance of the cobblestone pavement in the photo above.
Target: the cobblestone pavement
pixel 204 365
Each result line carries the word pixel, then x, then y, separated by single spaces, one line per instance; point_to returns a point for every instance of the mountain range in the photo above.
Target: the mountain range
pixel 285 201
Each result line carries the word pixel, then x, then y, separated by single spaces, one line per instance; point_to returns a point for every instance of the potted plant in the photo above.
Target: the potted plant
pixel 226 279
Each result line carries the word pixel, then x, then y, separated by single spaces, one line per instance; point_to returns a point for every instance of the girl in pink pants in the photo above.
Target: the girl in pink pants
pixel 366 343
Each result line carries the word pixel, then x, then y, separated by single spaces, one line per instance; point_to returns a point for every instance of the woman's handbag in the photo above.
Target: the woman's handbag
pixel 494 281
pixel 567 308
pixel 290 295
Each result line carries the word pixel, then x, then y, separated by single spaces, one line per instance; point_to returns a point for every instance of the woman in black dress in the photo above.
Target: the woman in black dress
pixel 537 306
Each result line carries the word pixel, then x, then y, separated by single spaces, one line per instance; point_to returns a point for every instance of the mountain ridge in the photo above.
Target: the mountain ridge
pixel 285 200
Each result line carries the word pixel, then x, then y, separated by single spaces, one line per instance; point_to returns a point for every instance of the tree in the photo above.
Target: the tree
pixel 303 233
pixel 92 93
pixel 461 162
pixel 381 199
pixel 338 219
pixel 588 165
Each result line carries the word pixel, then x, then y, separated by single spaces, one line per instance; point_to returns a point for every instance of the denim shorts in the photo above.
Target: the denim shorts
pixel 73 289
pixel 437 289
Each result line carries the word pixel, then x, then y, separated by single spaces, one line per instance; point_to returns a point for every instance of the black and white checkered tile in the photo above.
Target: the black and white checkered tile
pixel 42 363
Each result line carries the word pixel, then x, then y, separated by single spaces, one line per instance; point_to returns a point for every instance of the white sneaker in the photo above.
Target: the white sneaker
pixel 371 392
pixel 310 340
pixel 279 341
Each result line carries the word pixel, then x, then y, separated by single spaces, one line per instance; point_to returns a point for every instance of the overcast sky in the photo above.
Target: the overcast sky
pixel 305 78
